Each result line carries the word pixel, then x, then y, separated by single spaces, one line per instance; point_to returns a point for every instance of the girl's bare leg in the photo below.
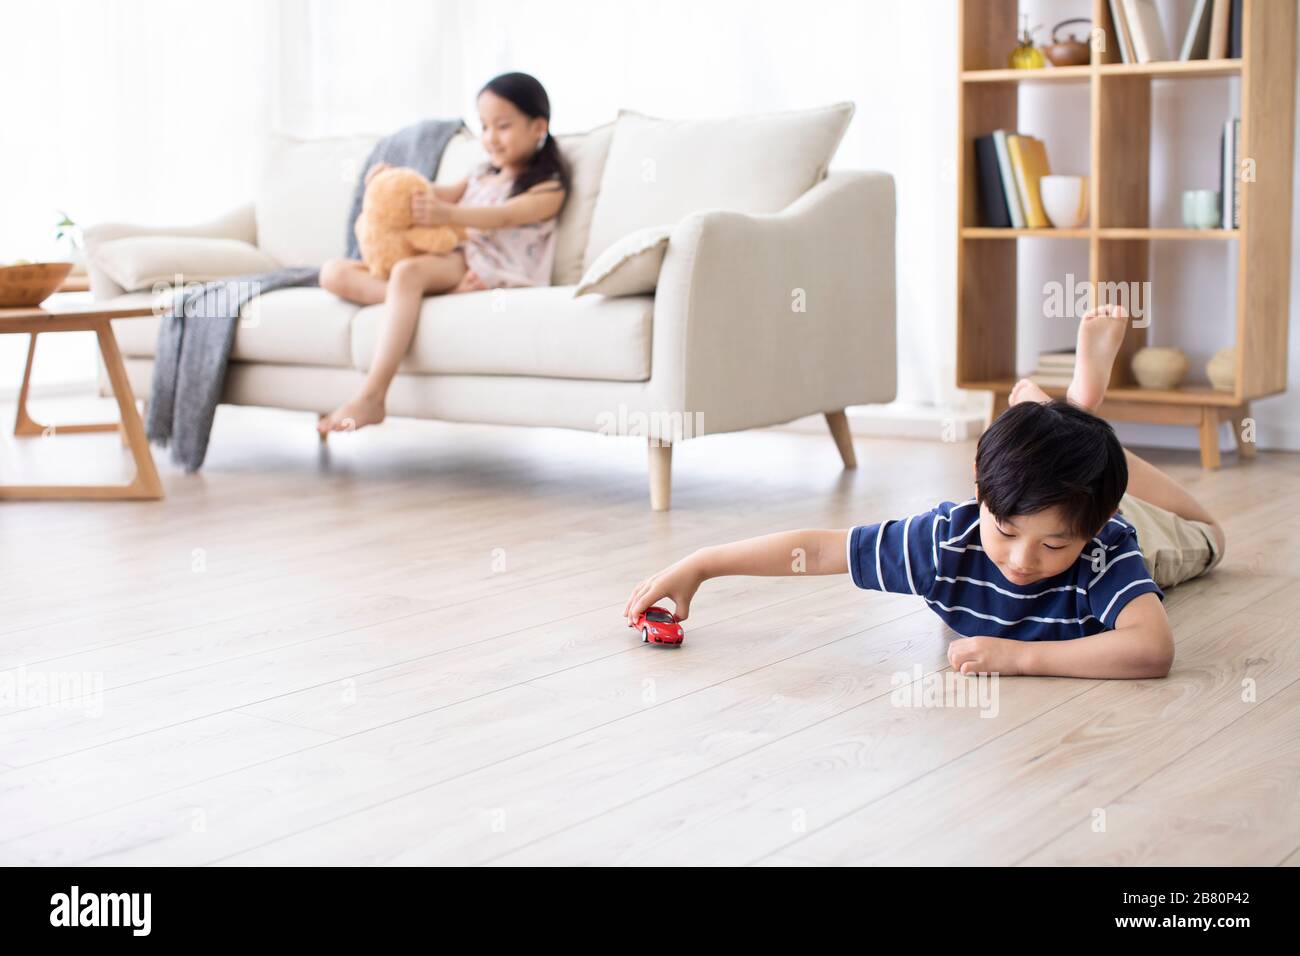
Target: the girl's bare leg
pixel 350 279
pixel 408 284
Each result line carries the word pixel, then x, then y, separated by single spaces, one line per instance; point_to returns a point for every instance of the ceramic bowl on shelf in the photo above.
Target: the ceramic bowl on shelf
pixel 1222 369
pixel 30 283
pixel 1065 200
pixel 1159 367
pixel 1201 209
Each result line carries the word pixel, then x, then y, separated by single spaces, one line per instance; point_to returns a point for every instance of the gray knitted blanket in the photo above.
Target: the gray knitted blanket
pixel 196 334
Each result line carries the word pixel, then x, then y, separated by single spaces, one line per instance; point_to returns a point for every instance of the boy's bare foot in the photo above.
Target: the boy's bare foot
pixel 1027 391
pixel 1101 333
pixel 351 415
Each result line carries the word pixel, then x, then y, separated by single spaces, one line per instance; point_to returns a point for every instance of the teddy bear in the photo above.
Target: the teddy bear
pixel 384 230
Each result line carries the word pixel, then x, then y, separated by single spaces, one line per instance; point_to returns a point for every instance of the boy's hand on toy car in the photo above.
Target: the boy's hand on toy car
pixel 985 655
pixel 428 210
pixel 375 170
pixel 679 582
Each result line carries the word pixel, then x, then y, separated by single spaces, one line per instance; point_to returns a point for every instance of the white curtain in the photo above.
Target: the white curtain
pixel 154 111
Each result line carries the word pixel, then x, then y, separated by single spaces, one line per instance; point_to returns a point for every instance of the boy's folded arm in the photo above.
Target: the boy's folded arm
pixel 1141 645
pixel 809 551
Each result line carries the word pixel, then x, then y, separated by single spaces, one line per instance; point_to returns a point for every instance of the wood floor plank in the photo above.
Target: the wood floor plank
pixel 745 808
pixel 1234 798
pixel 1065 767
pixel 404 647
pixel 461 689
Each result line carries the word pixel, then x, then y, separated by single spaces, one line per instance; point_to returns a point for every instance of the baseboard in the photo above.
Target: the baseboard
pixel 901 420
pixel 85 388
pixel 894 420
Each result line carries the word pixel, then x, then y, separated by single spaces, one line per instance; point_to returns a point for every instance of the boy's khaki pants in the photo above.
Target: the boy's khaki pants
pixel 1174 549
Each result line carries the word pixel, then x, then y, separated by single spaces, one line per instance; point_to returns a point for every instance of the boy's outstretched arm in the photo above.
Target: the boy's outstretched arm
pixel 771 555
pixel 1141 645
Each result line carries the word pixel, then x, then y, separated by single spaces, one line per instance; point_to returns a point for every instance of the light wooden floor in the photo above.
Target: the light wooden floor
pixel 408 649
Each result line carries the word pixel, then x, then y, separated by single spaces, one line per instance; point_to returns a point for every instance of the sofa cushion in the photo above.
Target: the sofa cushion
pixel 659 171
pixel 139 262
pixel 542 331
pixel 630 266
pixel 586 154
pixel 305 194
pixel 303 326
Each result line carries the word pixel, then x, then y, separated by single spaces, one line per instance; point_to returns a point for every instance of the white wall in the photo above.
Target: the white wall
pixel 330 68
pixel 155 111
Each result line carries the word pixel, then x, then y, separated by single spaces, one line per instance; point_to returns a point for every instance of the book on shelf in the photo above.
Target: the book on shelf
pixel 1235 221
pixel 1029 160
pixel 1055 368
pixel 1002 199
pixel 1123 40
pixel 1220 27
pixel 1008 168
pixel 993 199
pixel 1050 380
pixel 1229 178
pixel 1142 18
pixel 1214 31
pixel 1056 359
pixel 1196 43
pixel 1009 189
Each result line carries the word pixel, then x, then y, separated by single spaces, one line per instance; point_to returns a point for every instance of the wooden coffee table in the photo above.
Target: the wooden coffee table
pixel 36 320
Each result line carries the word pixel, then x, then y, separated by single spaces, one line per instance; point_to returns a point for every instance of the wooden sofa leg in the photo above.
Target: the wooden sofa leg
pixel 661 475
pixel 839 425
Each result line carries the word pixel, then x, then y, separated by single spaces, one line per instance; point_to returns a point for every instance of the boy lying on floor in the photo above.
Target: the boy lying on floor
pixel 1054 568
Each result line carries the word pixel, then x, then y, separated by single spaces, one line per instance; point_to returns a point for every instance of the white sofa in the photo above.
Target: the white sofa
pixel 721 345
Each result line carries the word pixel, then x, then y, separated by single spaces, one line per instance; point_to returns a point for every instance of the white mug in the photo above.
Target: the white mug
pixel 1065 200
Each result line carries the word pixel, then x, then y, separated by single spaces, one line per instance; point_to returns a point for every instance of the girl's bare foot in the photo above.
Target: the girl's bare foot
pixel 1101 333
pixel 358 413
pixel 1027 391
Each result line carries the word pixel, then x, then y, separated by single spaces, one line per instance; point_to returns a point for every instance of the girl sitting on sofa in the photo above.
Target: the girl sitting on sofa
pixel 509 208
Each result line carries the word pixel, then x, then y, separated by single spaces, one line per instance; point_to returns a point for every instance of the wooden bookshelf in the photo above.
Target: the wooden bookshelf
pixel 1119 232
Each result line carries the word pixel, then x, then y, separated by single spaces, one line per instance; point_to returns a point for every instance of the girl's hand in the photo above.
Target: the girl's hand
pixel 428 210
pixel 986 655
pixel 679 582
pixel 375 170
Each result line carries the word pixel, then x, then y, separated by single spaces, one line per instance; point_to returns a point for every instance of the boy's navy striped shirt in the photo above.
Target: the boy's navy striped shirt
pixel 938 556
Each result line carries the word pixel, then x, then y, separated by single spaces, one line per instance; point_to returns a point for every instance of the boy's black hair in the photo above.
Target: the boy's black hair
pixel 1039 455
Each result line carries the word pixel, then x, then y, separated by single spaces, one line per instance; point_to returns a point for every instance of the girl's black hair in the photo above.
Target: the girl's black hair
pixel 1036 456
pixel 529 97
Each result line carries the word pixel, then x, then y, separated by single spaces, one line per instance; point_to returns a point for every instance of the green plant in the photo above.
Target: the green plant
pixel 67 229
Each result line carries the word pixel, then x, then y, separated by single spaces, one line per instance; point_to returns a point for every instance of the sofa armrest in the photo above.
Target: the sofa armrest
pixel 238 223
pixel 764 319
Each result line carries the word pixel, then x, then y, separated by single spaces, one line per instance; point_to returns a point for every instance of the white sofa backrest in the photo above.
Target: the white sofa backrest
pixel 305 194
pixel 658 171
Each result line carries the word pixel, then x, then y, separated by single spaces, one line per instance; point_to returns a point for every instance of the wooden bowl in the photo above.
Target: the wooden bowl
pixel 31 283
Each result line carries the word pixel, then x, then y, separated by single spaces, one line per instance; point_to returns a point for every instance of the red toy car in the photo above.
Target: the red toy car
pixel 659 627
